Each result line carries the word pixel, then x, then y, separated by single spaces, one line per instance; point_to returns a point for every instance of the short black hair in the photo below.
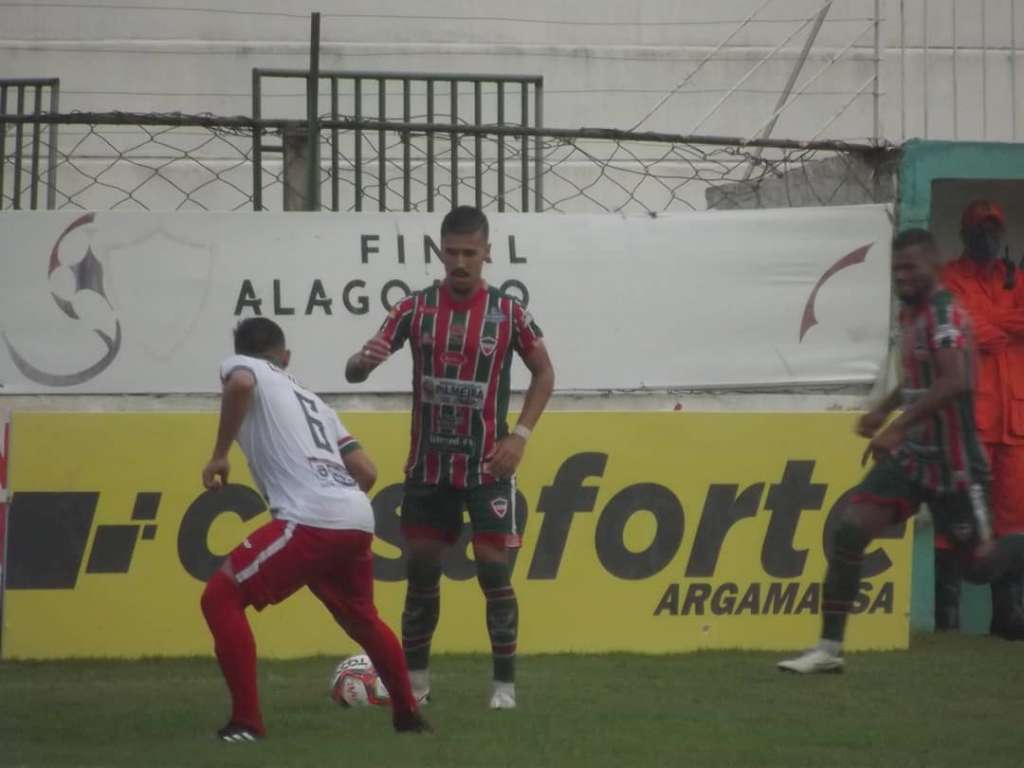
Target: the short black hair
pixel 465 220
pixel 255 336
pixel 908 238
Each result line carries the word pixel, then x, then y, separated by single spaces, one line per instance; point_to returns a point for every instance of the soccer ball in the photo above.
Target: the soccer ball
pixel 355 683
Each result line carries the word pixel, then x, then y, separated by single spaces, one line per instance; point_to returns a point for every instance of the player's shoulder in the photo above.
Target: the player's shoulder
pixel 408 303
pixel 498 298
pixel 254 365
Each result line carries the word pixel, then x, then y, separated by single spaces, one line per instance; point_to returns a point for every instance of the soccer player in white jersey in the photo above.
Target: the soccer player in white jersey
pixel 314 476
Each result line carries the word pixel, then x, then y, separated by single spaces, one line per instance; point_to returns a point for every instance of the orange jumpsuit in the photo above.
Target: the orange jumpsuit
pixel 997 316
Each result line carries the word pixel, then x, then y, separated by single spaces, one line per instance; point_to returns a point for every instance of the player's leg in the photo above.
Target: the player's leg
pixel 882 499
pixel 258 572
pixel 1008 518
pixel 431 520
pixel 963 516
pixel 947 585
pixel 493 514
pixel 346 588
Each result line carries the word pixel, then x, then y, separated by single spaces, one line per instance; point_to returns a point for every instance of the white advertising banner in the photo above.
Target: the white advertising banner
pixel 139 302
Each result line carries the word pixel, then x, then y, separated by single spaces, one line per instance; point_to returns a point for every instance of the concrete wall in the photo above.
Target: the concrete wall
pixel 605 64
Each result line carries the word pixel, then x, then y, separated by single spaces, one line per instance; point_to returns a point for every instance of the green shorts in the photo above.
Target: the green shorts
pixel 435 512
pixel 961 515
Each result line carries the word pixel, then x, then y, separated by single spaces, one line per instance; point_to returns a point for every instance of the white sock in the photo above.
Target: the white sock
pixel 419 679
pixel 833 647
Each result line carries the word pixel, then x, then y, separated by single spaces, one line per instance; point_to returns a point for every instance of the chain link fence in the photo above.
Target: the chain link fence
pixel 120 161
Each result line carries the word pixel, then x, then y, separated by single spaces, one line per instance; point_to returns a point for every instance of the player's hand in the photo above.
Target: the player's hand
pixel 215 473
pixel 883 443
pixel 375 351
pixel 503 461
pixel 870 423
pixel 984 549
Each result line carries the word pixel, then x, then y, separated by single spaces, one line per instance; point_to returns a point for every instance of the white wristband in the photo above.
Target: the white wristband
pixel 522 430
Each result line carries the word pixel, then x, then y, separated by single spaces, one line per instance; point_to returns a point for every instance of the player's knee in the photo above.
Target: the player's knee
pixel 493 575
pixel 220 592
pixel 851 537
pixel 423 572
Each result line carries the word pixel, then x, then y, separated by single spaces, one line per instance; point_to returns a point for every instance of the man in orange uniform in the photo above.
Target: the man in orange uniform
pixel 986 283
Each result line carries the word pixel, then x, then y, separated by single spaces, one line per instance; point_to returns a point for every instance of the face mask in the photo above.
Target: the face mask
pixel 983 246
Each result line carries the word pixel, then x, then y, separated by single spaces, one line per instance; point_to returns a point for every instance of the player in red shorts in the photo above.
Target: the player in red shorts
pixel 931 453
pixel 314 476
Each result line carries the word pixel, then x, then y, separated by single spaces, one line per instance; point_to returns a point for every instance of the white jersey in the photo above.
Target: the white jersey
pixel 293 442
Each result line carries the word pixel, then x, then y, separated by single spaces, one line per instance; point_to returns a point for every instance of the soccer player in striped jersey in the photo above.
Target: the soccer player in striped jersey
pixel 314 476
pixel 930 453
pixel 462 334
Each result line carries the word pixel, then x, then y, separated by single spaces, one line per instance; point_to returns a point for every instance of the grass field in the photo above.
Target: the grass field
pixel 950 701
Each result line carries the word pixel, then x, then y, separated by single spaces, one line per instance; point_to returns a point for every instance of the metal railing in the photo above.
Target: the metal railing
pixel 429 104
pixel 23 97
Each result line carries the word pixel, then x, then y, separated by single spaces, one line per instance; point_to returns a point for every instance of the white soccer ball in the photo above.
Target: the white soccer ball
pixel 355 683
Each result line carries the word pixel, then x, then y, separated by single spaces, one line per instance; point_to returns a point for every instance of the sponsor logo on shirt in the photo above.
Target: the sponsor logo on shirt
pixel 469 394
pixel 453 358
pixel 495 316
pixel 450 443
pixel 488 344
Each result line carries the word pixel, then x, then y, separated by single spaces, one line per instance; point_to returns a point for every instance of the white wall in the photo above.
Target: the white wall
pixel 605 64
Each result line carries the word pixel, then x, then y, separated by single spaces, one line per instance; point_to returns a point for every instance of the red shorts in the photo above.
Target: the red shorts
pixel 281 557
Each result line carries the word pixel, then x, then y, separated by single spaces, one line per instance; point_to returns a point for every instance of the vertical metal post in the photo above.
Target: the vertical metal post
pixel 478 145
pixel 430 146
pixel 1013 70
pixel 876 89
pixel 956 108
pixel 924 94
pixel 524 145
pixel 257 145
pixel 296 147
pixel 19 133
pixel 455 143
pixel 313 116
pixel 357 85
pixel 538 160
pixel 984 71
pixel 51 171
pixel 382 149
pixel 335 181
pixel 406 149
pixel 501 147
pixel 3 140
pixel 37 129
pixel 903 70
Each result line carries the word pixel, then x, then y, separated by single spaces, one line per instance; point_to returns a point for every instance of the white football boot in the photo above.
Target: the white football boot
pixel 815 661
pixel 503 696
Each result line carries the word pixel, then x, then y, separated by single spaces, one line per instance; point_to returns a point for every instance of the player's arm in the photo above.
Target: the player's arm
pixel 872 421
pixel 236 397
pixel 542 384
pixel 508 452
pixel 361 467
pixel 950 382
pixel 391 336
pixel 989 333
pixel 361 364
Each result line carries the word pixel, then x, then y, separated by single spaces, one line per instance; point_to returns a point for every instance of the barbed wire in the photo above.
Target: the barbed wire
pixel 117 161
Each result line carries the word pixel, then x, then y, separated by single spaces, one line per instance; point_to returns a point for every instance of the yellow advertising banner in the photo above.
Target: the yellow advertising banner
pixel 646 531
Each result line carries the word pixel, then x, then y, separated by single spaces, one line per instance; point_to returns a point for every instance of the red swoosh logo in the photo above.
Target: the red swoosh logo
pixel 853 257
